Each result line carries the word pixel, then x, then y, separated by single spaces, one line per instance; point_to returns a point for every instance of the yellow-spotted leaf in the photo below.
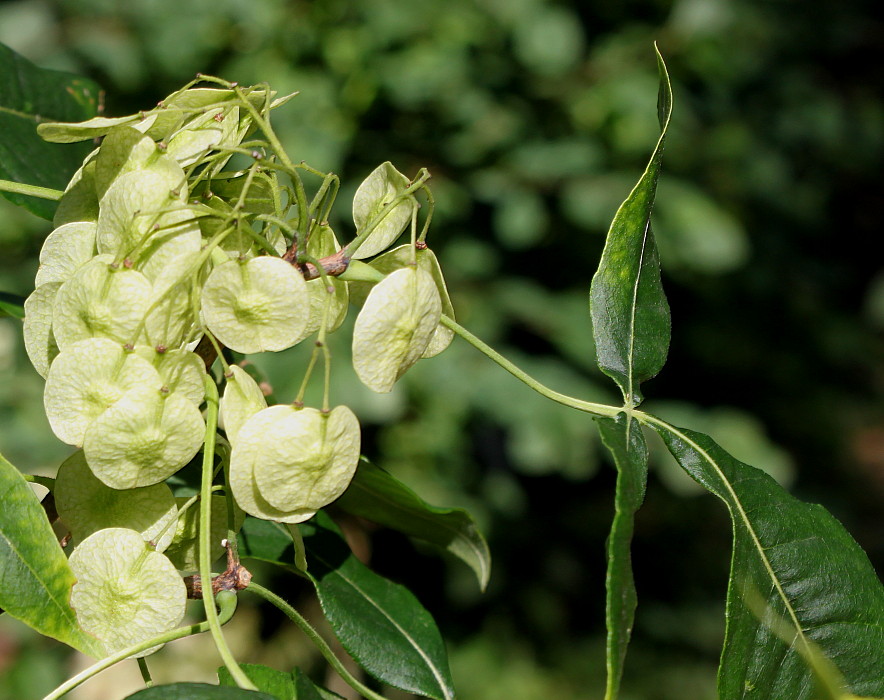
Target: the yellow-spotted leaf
pixel 380 202
pixel 242 399
pixel 125 592
pixel 256 306
pixel 143 439
pixel 184 549
pixel 313 464
pixel 86 505
pixel 86 379
pixel 39 340
pixel 101 302
pixel 395 326
pixel 65 251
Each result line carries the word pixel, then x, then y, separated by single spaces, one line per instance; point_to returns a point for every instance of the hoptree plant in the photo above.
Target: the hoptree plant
pixel 168 265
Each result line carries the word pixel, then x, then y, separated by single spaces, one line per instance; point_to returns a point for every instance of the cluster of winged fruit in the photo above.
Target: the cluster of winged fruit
pixel 158 253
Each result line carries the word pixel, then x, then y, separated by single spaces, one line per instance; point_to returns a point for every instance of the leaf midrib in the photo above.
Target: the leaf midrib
pixel 756 541
pixel 67 611
pixel 436 674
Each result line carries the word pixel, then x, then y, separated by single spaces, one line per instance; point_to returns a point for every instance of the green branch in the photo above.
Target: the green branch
pixel 227 601
pixel 205 542
pixel 597 409
pixel 30 190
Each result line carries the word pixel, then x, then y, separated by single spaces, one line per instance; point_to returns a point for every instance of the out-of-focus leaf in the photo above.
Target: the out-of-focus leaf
pixel 267 541
pixel 198 691
pixel 376 495
pixel 623 436
pixel 380 623
pixel 807 570
pixel 35 578
pixel 630 314
pixel 28 96
pixel 281 685
pixel 12 305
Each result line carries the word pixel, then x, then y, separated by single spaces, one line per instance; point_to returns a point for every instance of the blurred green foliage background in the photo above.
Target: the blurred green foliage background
pixel 535 118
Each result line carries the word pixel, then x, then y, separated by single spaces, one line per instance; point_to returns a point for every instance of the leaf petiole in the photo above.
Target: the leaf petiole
pixel 314 636
pixel 597 409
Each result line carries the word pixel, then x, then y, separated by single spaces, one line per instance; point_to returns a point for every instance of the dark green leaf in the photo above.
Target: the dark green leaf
pixel 12 305
pixel 30 95
pixel 267 541
pixel 35 578
pixel 198 691
pixel 377 496
pixel 268 680
pixel 623 437
pixel 380 623
pixel 308 690
pixel 630 314
pixel 795 560
pixel 281 685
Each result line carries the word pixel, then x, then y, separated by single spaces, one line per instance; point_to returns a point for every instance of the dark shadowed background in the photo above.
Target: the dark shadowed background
pixel 535 119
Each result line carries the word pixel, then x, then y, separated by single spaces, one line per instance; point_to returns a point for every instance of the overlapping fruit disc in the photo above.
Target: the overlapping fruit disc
pixel 395 326
pixel 85 505
pixel 125 592
pixel 381 199
pixel 258 305
pixel 183 550
pixel 305 465
pixel 242 399
pixel 425 259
